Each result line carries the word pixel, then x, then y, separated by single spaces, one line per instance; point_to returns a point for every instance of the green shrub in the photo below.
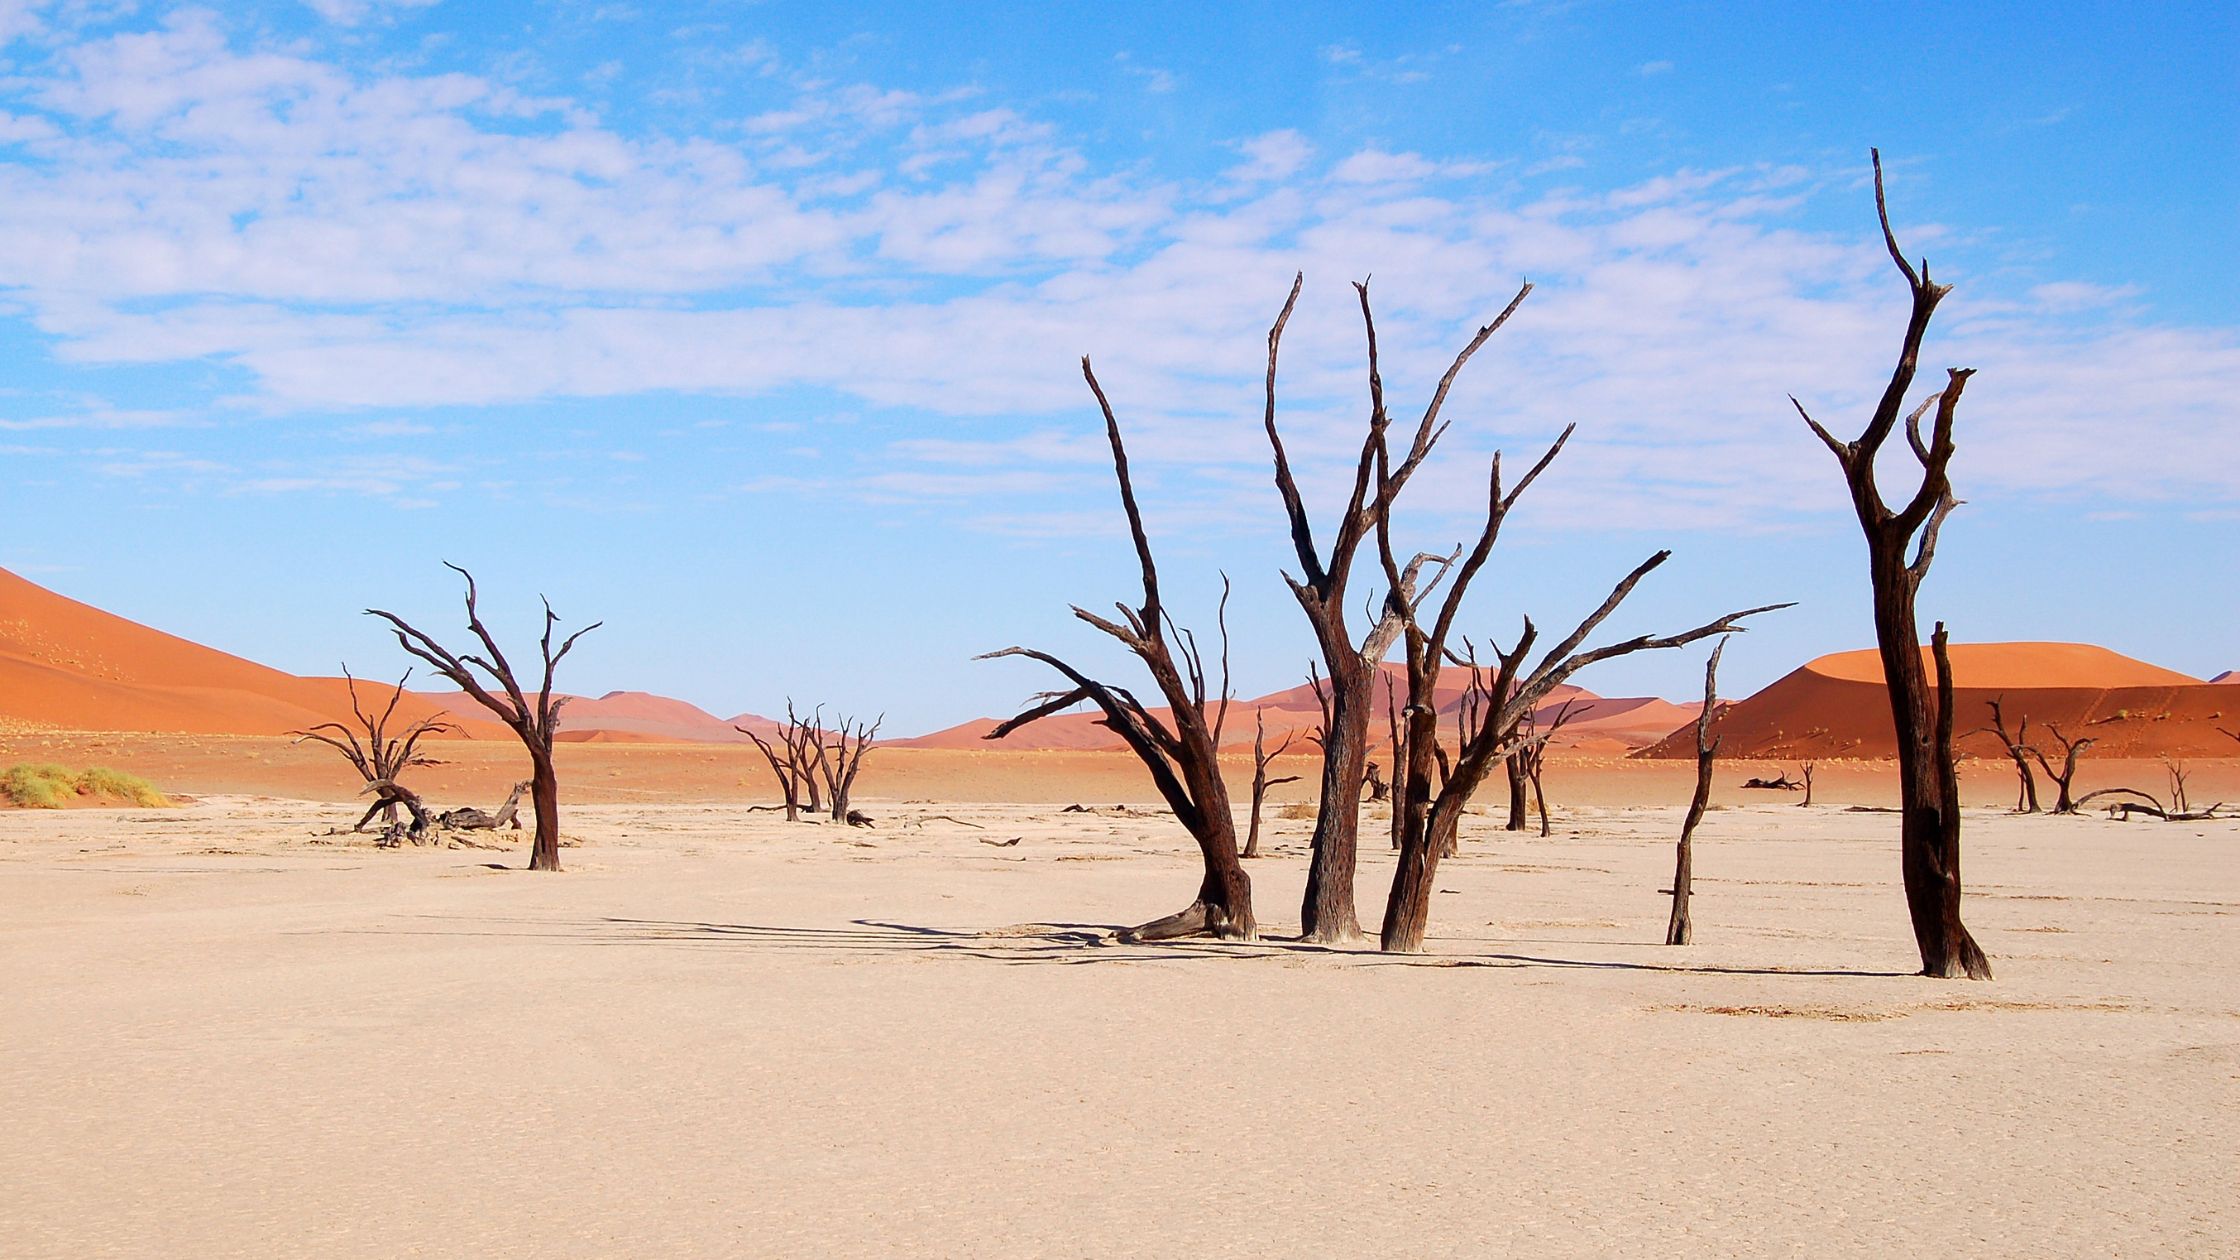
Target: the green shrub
pixel 49 786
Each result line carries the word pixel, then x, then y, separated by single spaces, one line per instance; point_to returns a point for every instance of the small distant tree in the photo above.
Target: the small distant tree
pixel 1806 770
pixel 1184 759
pixel 1535 753
pixel 1261 756
pixel 533 720
pixel 1680 930
pixel 839 770
pixel 379 757
pixel 2071 750
pixel 787 768
pixel 2178 774
pixel 2018 751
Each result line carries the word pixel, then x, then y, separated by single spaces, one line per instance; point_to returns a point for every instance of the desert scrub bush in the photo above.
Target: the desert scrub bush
pixel 1298 809
pixel 34 786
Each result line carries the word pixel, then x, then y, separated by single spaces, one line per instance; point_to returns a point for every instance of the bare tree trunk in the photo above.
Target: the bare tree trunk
pixel 544 793
pixel 1514 770
pixel 1681 929
pixel 1807 770
pixel 1929 833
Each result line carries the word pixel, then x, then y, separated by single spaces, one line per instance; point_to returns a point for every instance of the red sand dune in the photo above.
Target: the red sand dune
pixel 69 666
pixel 1836 706
pixel 1599 724
pixel 2229 676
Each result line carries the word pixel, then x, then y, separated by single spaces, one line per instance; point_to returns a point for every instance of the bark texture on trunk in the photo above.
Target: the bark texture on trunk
pixel 544 795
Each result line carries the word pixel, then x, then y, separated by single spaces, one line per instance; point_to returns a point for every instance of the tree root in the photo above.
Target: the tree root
pixel 1199 918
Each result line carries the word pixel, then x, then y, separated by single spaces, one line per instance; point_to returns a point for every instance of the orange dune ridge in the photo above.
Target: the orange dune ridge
pixel 1836 706
pixel 69 666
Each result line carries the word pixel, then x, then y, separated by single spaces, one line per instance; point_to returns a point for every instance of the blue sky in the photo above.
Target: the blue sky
pixel 754 329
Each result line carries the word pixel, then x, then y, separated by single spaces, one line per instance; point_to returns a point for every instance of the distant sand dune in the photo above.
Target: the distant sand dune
pixel 1836 706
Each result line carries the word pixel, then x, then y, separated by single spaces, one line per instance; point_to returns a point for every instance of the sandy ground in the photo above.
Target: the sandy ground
pixel 717 1034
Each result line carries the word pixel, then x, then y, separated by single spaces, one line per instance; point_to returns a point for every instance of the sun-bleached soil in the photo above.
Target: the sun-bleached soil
pixel 720 1034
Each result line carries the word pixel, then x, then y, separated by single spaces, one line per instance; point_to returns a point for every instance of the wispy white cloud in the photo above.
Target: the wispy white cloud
pixel 403 241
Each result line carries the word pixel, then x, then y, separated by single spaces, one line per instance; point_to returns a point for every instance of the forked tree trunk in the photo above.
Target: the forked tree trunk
pixel 1929 829
pixel 1327 910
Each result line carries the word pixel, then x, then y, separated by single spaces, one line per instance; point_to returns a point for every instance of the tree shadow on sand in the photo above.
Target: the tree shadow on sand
pixel 1065 944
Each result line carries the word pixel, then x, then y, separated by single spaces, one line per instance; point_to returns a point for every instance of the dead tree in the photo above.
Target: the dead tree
pixel 2071 750
pixel 1432 815
pixel 1535 754
pixel 1520 783
pixel 508 813
pixel 423 828
pixel 1260 780
pixel 379 757
pixel 805 744
pixel 2018 751
pixel 1930 832
pixel 534 720
pixel 2178 774
pixel 1184 760
pixel 1680 930
pixel 839 770
pixel 1328 912
pixel 1806 770
pixel 786 770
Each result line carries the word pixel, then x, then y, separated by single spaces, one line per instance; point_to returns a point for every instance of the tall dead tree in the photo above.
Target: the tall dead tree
pixel 2071 750
pixel 1328 912
pixel 1680 929
pixel 1261 756
pixel 534 720
pixel 847 753
pixel 1184 760
pixel 1930 831
pixel 1806 770
pixel 1432 814
pixel 2018 751
pixel 379 757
